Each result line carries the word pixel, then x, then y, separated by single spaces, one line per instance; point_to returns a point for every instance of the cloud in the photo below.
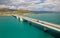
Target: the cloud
pixel 52 3
pixel 12 7
pixel 47 5
pixel 37 5
pixel 30 5
pixel 6 6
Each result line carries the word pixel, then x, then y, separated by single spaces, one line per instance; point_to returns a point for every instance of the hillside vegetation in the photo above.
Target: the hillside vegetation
pixel 14 12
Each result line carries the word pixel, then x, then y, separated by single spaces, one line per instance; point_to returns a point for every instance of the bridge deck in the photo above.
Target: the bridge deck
pixel 46 24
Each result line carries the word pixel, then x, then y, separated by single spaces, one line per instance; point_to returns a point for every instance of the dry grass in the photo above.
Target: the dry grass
pixel 18 12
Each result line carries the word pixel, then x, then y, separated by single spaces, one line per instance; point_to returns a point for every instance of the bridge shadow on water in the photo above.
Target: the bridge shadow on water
pixel 52 32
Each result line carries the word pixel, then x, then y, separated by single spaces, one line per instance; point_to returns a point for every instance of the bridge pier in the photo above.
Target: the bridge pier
pixel 21 19
pixel 17 17
pixel 45 26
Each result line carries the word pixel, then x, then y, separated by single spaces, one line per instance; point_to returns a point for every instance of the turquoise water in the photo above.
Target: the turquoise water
pixel 10 27
pixel 52 18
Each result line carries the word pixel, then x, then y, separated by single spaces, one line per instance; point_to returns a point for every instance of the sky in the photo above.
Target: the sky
pixel 32 5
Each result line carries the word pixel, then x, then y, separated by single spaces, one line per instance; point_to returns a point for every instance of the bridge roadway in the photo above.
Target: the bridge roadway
pixel 43 23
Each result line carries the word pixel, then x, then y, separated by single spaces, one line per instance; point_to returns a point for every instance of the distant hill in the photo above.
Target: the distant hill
pixel 14 10
pixel 23 11
pixel 37 12
pixel 6 11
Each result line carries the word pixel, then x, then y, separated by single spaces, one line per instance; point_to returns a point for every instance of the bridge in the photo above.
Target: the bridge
pixel 41 23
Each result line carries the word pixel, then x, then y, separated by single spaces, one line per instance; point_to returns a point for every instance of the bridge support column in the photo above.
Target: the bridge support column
pixel 45 29
pixel 21 19
pixel 17 17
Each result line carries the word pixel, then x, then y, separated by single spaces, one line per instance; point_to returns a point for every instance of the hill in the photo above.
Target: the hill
pixel 6 11
pixel 40 12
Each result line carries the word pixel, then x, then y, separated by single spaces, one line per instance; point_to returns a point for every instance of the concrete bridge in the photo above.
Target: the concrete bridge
pixel 41 23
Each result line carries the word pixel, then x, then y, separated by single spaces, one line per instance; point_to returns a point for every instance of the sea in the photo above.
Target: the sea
pixel 11 27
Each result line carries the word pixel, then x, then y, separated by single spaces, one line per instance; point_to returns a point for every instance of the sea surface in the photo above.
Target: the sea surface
pixel 10 27
pixel 49 17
